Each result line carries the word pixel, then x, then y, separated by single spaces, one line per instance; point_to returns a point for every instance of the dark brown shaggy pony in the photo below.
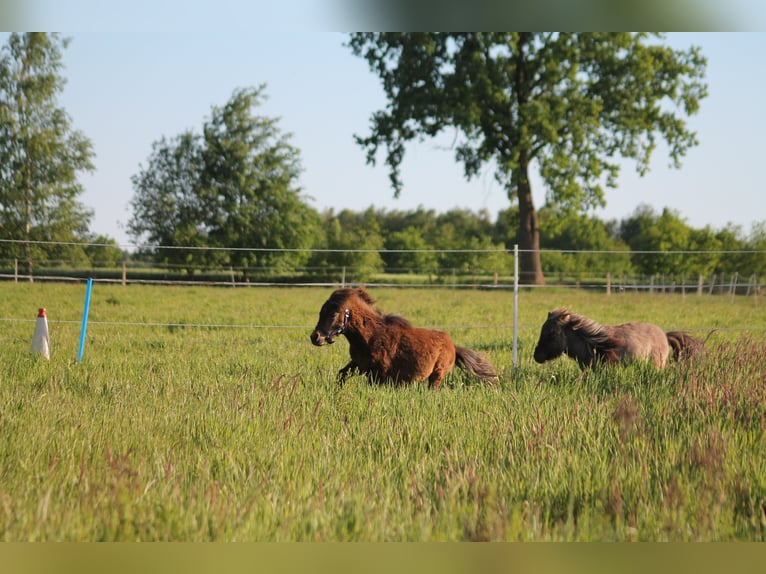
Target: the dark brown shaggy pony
pixel 590 343
pixel 388 347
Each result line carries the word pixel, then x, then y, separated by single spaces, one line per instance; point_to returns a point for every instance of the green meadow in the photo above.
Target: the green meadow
pixel 205 414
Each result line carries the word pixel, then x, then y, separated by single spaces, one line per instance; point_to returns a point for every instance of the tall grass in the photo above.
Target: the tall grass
pixel 202 414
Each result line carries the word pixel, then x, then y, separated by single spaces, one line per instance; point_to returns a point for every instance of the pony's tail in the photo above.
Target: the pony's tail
pixel 684 345
pixel 475 364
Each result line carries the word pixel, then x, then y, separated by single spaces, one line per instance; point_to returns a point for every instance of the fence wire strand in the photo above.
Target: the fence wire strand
pixel 619 284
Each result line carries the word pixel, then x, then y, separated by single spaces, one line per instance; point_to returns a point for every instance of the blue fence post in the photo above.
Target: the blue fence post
pixel 515 305
pixel 84 319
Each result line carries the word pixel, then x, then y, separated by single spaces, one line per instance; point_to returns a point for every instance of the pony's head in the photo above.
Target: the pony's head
pixel 335 314
pixel 553 339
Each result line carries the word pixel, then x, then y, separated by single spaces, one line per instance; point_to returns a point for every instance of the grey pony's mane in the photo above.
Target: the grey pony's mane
pixel 593 331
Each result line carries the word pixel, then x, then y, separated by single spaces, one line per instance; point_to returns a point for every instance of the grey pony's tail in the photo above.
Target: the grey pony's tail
pixel 475 364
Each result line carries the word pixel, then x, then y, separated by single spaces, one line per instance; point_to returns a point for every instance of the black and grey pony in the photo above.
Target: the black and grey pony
pixel 591 343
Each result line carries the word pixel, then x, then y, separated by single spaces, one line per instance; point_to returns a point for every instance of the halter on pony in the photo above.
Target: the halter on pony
pixel 340 330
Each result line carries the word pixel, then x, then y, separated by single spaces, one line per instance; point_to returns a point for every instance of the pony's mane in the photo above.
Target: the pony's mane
pixel 365 296
pixel 342 295
pixel 396 320
pixel 589 329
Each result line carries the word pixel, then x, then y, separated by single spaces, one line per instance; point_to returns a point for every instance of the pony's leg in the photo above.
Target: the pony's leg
pixel 444 363
pixel 435 379
pixel 346 371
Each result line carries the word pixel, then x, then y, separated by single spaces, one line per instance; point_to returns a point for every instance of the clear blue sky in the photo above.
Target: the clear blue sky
pixel 126 90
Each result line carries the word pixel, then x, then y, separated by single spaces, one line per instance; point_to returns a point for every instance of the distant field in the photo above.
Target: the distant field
pixel 205 414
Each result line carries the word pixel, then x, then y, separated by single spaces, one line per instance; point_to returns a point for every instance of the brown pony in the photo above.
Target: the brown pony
pixel 388 347
pixel 591 343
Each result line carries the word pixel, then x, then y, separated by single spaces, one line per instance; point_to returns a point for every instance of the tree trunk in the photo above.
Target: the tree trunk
pixel 531 270
pixel 23 117
pixel 28 220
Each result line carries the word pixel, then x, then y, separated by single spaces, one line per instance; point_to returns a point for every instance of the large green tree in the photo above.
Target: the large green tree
pixel 234 186
pixel 40 154
pixel 568 104
pixel 167 204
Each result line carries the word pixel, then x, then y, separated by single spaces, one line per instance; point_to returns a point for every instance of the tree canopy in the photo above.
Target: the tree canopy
pixel 40 154
pixel 570 104
pixel 574 246
pixel 233 186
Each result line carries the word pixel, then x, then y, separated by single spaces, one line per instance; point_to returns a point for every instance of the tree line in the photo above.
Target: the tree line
pixel 462 242
pixel 572 244
pixel 227 195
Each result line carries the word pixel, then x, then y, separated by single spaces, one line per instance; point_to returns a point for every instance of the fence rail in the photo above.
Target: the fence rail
pixel 731 284
pixel 699 285
pixel 478 274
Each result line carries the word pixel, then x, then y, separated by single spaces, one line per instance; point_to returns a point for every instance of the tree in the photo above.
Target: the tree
pixel 103 251
pixel 234 186
pixel 569 104
pixel 756 261
pixel 40 153
pixel 568 230
pixel 408 252
pixel 731 238
pixel 461 236
pixel 249 185
pixel 647 232
pixel 351 243
pixel 167 207
pixel 397 220
pixel 704 243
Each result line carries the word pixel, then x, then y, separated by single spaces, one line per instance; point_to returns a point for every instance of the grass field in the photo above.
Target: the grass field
pixel 205 414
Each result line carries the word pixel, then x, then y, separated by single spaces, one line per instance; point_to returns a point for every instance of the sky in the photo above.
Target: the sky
pixel 128 89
